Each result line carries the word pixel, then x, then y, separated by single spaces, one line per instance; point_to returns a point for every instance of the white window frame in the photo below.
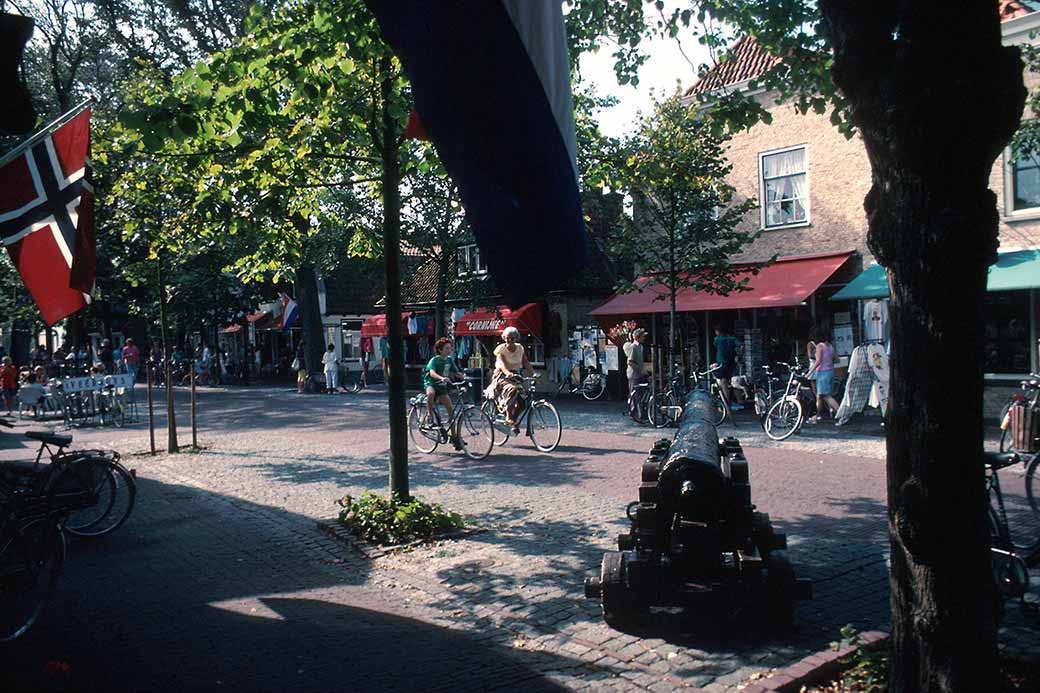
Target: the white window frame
pixel 1010 213
pixel 807 202
pixel 473 263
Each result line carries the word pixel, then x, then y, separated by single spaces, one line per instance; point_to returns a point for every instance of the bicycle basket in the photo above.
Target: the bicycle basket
pixel 1023 427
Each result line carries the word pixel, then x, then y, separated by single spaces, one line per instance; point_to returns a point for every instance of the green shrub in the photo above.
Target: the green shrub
pixel 387 521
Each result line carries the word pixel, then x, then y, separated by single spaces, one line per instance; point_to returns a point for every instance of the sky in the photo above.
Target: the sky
pixel 665 65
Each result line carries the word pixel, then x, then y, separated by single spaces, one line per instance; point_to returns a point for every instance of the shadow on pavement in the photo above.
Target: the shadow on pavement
pixel 202 591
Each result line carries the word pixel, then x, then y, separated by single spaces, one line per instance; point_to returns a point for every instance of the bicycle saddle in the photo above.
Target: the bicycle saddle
pixel 999 460
pixel 50 437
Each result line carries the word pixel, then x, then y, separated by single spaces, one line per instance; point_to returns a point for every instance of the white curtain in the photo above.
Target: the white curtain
pixel 785 186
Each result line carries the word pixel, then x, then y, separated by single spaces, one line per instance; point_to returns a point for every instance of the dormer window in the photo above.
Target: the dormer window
pixel 470 261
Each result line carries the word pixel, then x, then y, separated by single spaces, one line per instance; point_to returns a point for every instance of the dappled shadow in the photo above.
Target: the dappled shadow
pixel 201 590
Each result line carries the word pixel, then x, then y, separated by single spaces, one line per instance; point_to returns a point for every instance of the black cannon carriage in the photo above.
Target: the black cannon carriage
pixel 696 540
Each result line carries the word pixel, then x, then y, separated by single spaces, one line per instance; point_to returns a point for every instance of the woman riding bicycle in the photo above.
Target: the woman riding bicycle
pixel 506 383
pixel 438 374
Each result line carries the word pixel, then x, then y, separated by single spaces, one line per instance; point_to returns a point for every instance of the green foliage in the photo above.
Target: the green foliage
pixel 388 521
pixel 869 666
pixel 686 225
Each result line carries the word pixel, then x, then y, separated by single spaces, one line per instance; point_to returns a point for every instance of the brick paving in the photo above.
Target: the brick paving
pixel 222 576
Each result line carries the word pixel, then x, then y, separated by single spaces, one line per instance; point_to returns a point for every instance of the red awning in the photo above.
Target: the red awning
pixel 526 318
pixel 375 326
pixel 787 282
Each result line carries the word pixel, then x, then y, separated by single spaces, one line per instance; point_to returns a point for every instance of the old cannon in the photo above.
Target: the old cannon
pixel 696 540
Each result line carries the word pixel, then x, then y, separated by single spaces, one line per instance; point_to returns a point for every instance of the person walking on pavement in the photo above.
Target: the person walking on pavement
pixel 131 358
pixel 331 363
pixel 726 346
pixel 823 369
pixel 299 365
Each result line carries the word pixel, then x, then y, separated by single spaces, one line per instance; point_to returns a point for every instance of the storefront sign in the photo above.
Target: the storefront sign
pixel 484 325
pixel 843 339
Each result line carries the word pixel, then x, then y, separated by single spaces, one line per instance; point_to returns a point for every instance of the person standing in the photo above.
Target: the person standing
pixel 9 382
pixel 331 363
pixel 299 364
pixel 634 356
pixel 107 357
pixel 131 358
pixel 824 371
pixel 726 346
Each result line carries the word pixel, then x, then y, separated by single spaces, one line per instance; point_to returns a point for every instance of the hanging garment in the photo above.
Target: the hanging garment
pixel 877 359
pixel 365 345
pixel 424 350
pixel 412 328
pixel 858 386
pixel 875 320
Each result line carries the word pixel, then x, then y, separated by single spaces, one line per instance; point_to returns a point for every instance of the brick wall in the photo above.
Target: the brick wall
pixel 839 178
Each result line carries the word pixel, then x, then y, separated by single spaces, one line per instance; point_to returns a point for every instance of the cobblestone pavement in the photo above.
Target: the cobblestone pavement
pixel 221 576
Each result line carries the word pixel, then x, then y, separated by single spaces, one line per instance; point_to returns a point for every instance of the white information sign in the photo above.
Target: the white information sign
pixel 612 357
pixel 843 339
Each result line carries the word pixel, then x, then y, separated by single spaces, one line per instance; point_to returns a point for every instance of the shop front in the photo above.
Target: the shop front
pixel 418 330
pixel 478 332
pixel 1010 327
pixel 772 314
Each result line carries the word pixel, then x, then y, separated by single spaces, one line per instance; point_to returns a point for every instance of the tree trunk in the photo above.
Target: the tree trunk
pixel 391 254
pixel 935 102
pixel 171 418
pixel 440 310
pixel 310 319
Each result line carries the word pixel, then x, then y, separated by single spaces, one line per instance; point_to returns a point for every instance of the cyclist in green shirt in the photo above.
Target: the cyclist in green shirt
pixel 438 374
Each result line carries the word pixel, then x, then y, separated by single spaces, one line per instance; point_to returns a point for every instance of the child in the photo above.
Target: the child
pixel 437 375
pixel 32 393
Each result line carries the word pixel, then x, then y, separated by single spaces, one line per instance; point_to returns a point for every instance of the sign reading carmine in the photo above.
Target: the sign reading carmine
pixel 484 325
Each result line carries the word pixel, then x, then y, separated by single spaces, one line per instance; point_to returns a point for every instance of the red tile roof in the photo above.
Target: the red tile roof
pixel 1010 9
pixel 747 60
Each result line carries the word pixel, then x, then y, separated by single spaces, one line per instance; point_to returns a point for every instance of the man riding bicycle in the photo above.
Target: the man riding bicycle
pixel 437 376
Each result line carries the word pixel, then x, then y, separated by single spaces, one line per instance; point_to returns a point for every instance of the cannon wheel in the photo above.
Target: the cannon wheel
pixel 781 585
pixel 618 606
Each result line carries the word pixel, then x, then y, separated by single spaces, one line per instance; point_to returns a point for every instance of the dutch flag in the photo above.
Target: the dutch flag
pixel 289 312
pixel 491 81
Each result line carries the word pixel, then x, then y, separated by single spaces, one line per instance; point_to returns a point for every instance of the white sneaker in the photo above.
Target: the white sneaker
pixel 813 420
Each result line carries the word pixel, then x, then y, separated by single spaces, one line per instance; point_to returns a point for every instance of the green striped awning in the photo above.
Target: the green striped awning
pixel 1015 269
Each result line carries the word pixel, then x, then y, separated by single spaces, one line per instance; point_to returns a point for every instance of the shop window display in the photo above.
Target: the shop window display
pixel 1007 332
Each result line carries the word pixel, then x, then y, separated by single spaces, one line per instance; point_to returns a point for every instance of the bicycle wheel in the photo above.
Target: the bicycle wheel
pixel 117 493
pixel 593 387
pixel 719 407
pixel 30 561
pixel 424 438
pixel 475 431
pixel 544 426
pixel 1033 483
pixel 1010 574
pixel 662 408
pixel 1005 433
pixel 636 407
pixel 502 432
pixel 783 419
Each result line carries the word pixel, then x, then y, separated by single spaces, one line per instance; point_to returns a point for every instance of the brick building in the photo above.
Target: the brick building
pixel 810 182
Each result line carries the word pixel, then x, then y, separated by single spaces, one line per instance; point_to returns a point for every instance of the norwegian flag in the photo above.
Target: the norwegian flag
pixel 47 216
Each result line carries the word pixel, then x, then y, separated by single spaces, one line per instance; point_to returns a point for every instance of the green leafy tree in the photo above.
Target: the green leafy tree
pixel 685 228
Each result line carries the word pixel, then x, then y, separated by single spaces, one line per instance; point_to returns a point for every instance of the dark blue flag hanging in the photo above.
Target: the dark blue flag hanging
pixel 491 81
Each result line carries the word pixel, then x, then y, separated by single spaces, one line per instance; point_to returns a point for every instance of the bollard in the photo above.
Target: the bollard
pixel 151 411
pixel 194 426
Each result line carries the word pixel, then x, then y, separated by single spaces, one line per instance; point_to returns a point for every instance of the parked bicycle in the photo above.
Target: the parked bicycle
pixel 666 406
pixel 1028 397
pixel 639 403
pixel 468 424
pixel 538 419
pixel 39 503
pixel 1014 530
pixel 591 383
pixel 351 381
pixel 787 414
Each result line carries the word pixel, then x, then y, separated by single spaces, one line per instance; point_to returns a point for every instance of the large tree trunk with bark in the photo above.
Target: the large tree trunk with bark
pixel 310 319
pixel 935 97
